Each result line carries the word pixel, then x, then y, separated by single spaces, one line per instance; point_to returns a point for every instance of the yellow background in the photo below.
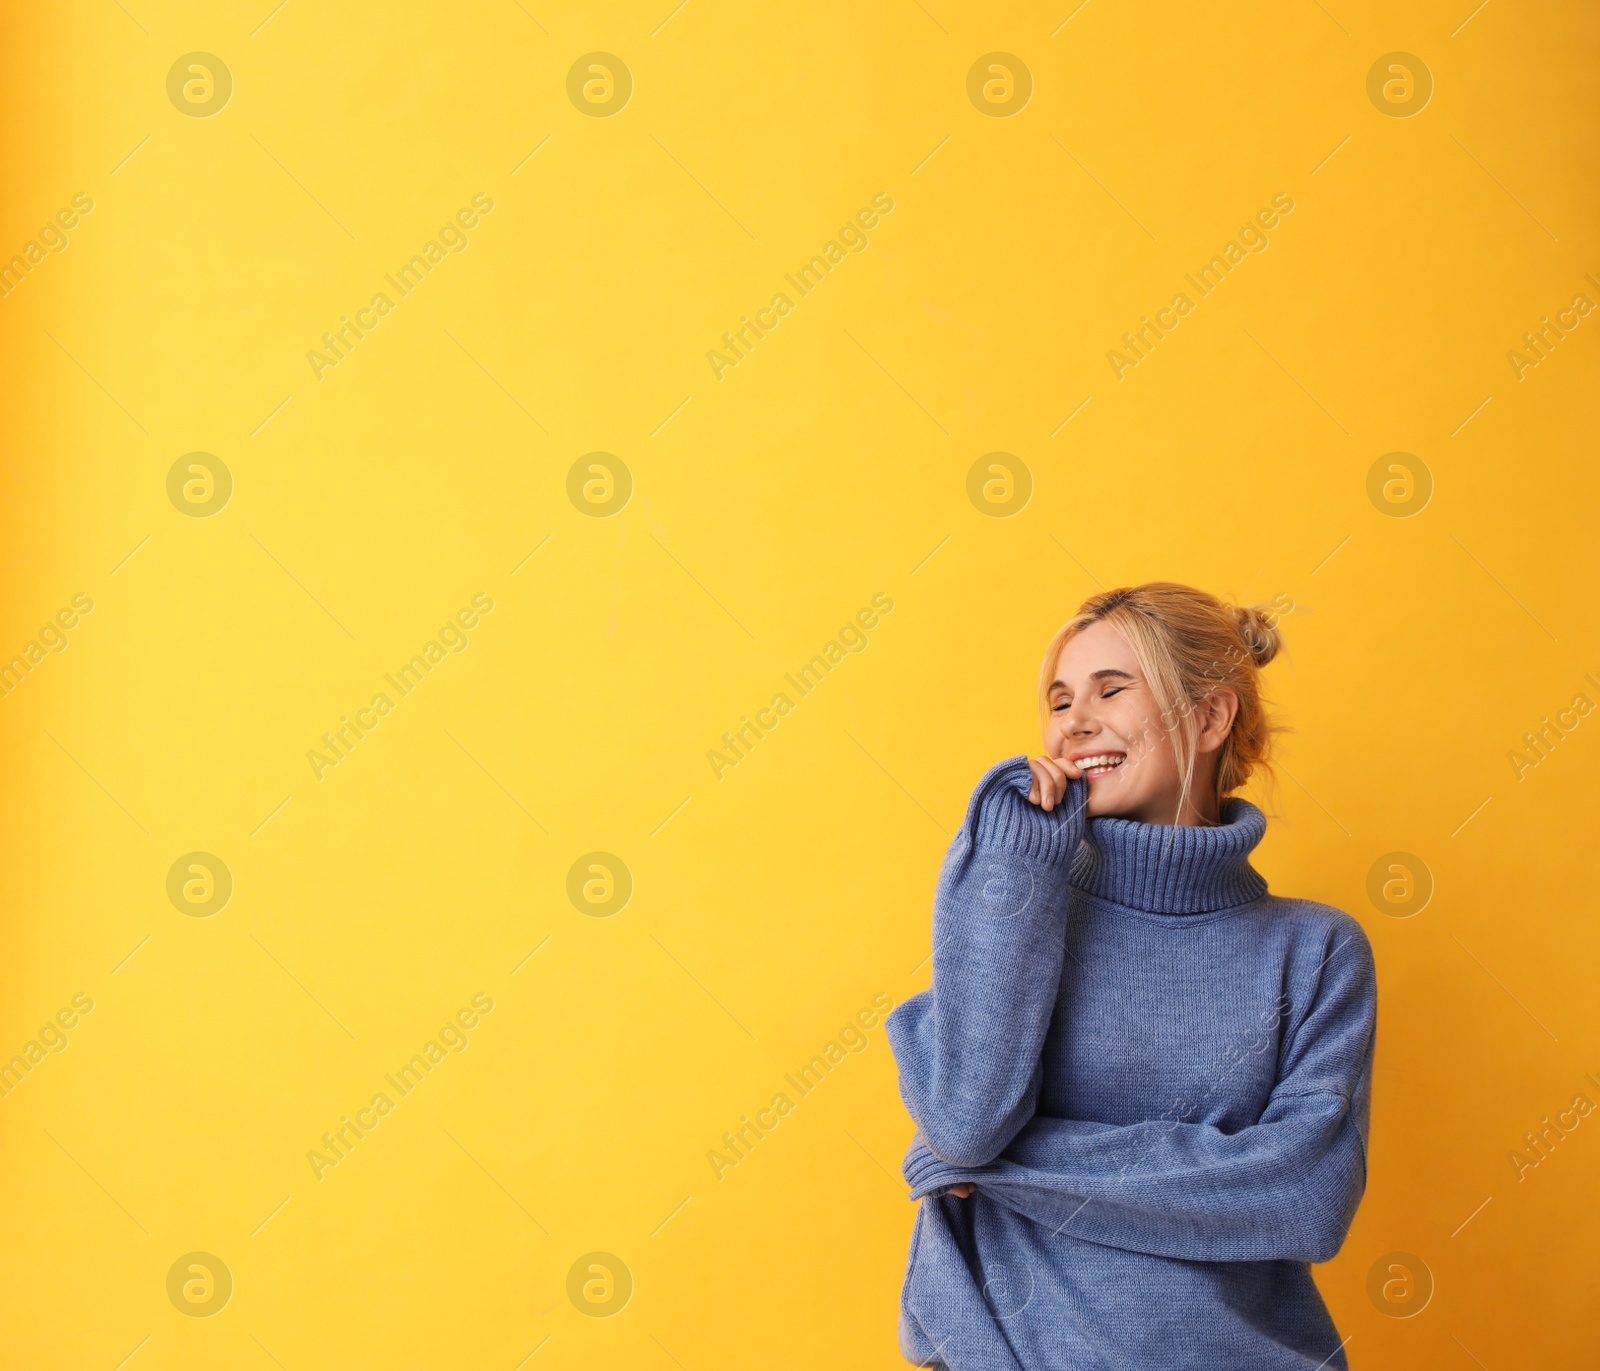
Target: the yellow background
pixel 768 506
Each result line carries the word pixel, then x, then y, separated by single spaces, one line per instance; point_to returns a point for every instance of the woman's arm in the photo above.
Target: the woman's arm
pixel 1285 1188
pixel 968 1047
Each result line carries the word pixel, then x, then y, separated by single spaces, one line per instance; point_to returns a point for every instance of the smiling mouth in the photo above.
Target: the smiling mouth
pixel 1101 764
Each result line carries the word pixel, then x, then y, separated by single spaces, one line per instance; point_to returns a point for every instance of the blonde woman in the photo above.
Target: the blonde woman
pixel 1141 1082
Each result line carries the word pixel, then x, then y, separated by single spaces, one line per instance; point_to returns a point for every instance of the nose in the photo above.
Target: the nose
pixel 1079 722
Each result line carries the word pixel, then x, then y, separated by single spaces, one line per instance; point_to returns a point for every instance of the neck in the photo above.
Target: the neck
pixel 1199 808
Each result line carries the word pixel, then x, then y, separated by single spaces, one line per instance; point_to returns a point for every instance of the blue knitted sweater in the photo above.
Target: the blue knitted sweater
pixel 1159 1078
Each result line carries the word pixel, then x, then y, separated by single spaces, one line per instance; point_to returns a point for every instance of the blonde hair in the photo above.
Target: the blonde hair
pixel 1188 644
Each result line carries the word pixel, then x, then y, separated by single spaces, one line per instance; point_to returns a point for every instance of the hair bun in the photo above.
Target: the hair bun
pixel 1258 632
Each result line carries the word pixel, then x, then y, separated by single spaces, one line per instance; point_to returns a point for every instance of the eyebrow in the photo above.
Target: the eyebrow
pixel 1104 674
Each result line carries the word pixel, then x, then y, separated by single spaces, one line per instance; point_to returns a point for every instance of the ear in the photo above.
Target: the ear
pixel 1216 715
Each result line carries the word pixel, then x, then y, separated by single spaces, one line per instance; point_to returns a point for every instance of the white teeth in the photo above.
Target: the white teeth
pixel 1101 763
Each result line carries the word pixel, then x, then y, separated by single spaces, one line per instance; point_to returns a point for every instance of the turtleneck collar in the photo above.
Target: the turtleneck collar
pixel 1168 869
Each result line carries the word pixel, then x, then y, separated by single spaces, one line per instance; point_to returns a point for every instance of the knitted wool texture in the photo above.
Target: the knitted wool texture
pixel 1158 1076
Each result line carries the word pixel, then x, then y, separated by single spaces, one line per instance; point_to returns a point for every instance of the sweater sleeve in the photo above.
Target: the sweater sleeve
pixel 968 1048
pixel 1284 1188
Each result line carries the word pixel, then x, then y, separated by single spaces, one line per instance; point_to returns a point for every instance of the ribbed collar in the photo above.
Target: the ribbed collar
pixel 1167 869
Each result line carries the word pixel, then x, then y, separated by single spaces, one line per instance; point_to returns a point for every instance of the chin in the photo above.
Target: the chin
pixel 1105 803
pixel 1101 806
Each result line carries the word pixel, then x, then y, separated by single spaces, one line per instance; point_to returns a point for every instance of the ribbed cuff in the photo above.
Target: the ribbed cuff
pixel 1000 815
pixel 927 1174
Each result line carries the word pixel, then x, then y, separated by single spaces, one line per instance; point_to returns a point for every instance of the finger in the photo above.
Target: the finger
pixel 1040 793
pixel 1071 771
pixel 1054 782
pixel 1034 793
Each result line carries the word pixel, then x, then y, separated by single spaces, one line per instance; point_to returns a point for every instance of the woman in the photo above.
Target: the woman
pixel 1142 1084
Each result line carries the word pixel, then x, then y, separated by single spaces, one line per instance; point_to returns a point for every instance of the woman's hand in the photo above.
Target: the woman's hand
pixel 1050 777
pixel 962 1191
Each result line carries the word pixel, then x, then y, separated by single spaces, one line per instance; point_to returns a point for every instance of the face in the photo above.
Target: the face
pixel 1105 720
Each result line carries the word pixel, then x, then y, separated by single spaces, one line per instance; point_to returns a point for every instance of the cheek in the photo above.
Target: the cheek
pixel 1143 729
pixel 1126 725
pixel 1149 747
pixel 1160 761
